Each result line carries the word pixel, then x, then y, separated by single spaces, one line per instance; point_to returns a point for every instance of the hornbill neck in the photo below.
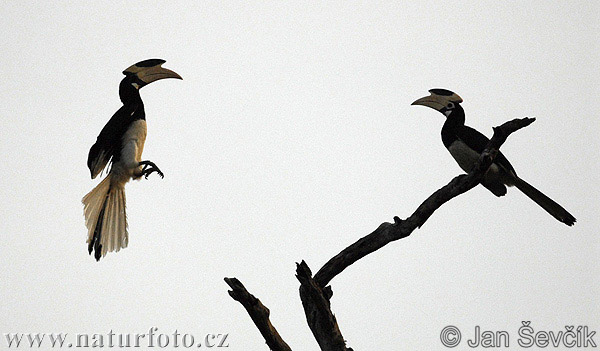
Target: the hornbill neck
pixel 456 117
pixel 128 93
pixel 455 120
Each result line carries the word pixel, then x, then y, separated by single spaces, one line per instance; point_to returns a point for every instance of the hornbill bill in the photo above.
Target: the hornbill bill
pixel 120 143
pixel 466 144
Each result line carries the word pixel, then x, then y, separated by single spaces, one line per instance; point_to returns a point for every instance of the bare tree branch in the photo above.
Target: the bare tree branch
pixel 388 232
pixel 315 293
pixel 259 314
pixel 317 308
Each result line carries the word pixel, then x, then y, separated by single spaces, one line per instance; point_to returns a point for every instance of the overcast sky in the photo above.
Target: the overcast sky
pixel 290 137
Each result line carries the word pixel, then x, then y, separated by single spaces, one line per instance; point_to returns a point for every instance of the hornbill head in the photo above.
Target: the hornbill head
pixel 148 71
pixel 441 100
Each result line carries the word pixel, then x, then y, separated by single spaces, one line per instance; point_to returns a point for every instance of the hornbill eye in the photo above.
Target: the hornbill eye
pixel 450 105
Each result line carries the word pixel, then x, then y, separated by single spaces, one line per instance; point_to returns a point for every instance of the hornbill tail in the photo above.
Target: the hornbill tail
pixel 105 218
pixel 553 208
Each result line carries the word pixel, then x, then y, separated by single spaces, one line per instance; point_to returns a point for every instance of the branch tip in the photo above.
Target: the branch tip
pixel 328 292
pixel 259 314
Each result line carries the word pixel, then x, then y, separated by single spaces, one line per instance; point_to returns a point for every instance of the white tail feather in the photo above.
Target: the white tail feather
pixel 93 203
pixel 110 198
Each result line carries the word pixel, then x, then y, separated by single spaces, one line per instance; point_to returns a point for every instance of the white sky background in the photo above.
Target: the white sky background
pixel 290 137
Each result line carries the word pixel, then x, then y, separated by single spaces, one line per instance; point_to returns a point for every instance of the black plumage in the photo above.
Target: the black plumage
pixel 466 144
pixel 119 148
pixel 108 143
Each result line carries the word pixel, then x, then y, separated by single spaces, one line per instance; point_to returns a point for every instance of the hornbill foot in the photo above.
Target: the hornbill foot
pixel 152 170
pixel 149 168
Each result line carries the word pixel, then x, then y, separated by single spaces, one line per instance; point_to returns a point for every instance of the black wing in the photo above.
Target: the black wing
pixel 477 141
pixel 108 144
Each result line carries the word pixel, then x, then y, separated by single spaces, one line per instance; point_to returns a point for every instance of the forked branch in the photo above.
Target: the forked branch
pixel 315 293
pixel 317 309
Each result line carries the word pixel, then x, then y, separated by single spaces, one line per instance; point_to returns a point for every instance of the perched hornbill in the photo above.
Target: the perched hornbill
pixel 121 143
pixel 466 144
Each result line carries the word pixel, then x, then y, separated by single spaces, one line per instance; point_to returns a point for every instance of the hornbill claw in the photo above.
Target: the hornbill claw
pixel 149 168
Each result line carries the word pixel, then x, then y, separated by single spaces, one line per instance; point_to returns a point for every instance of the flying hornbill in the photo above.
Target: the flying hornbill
pixel 466 144
pixel 120 143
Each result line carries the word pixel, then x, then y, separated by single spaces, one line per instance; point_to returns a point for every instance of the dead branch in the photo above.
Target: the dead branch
pixel 388 232
pixel 317 308
pixel 315 293
pixel 259 314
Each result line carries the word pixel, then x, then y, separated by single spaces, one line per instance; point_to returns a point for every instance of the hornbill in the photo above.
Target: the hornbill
pixel 120 143
pixel 466 144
